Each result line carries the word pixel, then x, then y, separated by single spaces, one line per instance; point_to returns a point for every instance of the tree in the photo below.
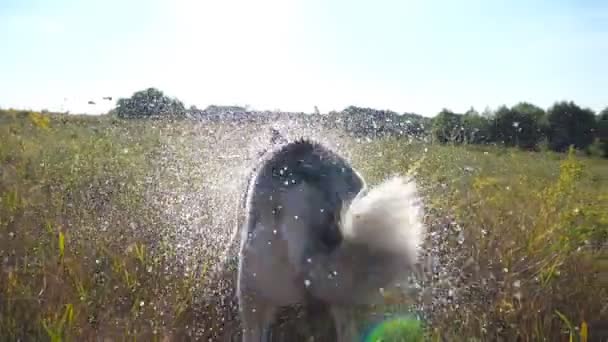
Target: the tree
pixel 518 126
pixel 602 131
pixel 447 127
pixel 472 111
pixel 531 129
pixel 149 103
pixel 569 124
pixel 487 113
pixel 476 127
pixel 525 108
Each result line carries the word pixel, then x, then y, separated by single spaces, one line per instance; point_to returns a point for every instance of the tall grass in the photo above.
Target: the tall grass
pixel 79 256
pixel 519 236
pixel 524 235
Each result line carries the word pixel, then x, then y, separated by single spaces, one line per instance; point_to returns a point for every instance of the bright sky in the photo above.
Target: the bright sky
pixel 414 56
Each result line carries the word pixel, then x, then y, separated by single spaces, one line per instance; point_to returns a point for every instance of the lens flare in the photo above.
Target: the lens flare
pixel 404 328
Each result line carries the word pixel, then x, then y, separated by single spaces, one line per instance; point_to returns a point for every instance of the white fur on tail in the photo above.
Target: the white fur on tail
pixel 388 218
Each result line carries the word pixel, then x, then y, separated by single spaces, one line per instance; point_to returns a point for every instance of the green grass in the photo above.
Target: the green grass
pixel 81 254
pixel 533 226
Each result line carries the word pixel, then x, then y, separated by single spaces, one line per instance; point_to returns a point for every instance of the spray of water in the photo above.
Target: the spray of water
pixel 196 189
pixel 200 177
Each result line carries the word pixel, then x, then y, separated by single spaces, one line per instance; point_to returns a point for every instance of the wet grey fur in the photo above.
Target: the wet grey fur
pixel 292 251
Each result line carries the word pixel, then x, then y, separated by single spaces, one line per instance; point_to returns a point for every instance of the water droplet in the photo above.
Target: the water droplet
pixel 295 217
pixel 306 282
pixel 274 231
pixel 461 237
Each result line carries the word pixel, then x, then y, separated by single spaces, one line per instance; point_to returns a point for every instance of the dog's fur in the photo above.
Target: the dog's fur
pixel 315 234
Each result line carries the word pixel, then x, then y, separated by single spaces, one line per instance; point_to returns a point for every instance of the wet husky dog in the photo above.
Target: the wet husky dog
pixel 314 233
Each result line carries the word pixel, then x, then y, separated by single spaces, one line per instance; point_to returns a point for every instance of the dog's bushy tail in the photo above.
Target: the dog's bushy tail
pixel 386 218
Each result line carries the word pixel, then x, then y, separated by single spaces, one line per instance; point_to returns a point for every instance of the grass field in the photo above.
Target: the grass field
pixel 109 228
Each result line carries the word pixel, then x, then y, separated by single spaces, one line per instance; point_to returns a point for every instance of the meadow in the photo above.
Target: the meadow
pixel 112 229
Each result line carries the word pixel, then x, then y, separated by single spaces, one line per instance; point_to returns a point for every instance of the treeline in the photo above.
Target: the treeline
pixel 524 125
pixel 527 126
pixel 368 122
pixel 152 103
